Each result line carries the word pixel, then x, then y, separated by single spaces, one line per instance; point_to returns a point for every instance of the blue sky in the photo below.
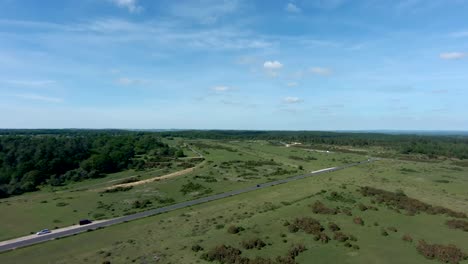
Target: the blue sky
pixel 233 64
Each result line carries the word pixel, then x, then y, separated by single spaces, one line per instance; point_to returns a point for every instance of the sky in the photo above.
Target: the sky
pixel 234 64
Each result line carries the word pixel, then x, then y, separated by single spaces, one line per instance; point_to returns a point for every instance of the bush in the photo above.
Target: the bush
pixel 141 204
pixel 320 208
pixel 253 243
pixel 393 229
pixel 362 207
pixel 407 238
pixel 383 232
pixel 446 254
pixel 61 204
pixel 333 227
pixel 191 187
pixel 358 221
pixel 340 236
pixel 306 224
pixel 235 229
pixel 197 248
pixel 119 189
pixel 457 224
pixel 295 250
pixel 322 237
pixel 224 254
pixel 400 201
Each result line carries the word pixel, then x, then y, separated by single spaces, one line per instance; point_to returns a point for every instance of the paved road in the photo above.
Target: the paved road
pixel 30 240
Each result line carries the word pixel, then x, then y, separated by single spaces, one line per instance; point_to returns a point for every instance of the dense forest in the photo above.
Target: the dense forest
pixel 448 146
pixel 31 158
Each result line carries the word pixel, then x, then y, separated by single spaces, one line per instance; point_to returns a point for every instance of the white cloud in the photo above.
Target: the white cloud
pixel 221 88
pixel 131 5
pixel 320 71
pixel 292 100
pixel 292 84
pixel 128 81
pixel 452 55
pixel 29 83
pixel 272 65
pixel 204 11
pixel 292 8
pixel 38 97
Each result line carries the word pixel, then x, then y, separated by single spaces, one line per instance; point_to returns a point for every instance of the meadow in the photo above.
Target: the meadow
pixel 271 225
pixel 226 166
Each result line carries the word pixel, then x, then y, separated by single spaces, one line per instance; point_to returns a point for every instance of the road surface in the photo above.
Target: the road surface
pixel 68 231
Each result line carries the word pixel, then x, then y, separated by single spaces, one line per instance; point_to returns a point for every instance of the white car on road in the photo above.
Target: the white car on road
pixel 43 231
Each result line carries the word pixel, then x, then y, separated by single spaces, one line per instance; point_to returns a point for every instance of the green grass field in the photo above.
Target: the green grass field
pixel 169 238
pixel 228 166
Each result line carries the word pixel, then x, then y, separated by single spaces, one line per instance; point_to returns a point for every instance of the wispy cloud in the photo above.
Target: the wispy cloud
pixel 292 8
pixel 453 55
pixel 221 88
pixel 37 97
pixel 131 5
pixel 30 83
pixel 204 11
pixel 166 35
pixel 321 71
pixel 440 91
pixel 128 81
pixel 292 100
pixel 292 84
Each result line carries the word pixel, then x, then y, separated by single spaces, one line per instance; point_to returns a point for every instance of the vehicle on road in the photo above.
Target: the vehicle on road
pixel 85 222
pixel 43 232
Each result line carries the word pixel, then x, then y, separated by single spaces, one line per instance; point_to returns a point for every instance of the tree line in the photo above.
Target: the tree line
pixel 31 158
pixel 453 146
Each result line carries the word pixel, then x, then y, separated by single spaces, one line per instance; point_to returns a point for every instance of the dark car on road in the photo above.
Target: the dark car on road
pixel 85 222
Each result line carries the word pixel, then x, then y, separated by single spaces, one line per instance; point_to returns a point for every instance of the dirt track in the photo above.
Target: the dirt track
pixel 167 176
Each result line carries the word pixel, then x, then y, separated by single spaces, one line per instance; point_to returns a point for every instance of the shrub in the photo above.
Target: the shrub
pixel 340 236
pixel 253 243
pixel 346 211
pixel 458 224
pixel 358 221
pixel 383 232
pixel 333 227
pixel 191 187
pixel 141 204
pixel 306 224
pixel 197 248
pixel 224 254
pixel 356 247
pixel 119 189
pixel 322 237
pixel 319 208
pixel 362 207
pixel 127 180
pixel 447 254
pixel 393 229
pixel 407 238
pixel 235 229
pixel 295 250
pixel 399 201
pixel 61 204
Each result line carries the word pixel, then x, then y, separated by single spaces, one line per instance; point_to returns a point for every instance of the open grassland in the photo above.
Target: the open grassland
pixel 227 166
pixel 267 223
